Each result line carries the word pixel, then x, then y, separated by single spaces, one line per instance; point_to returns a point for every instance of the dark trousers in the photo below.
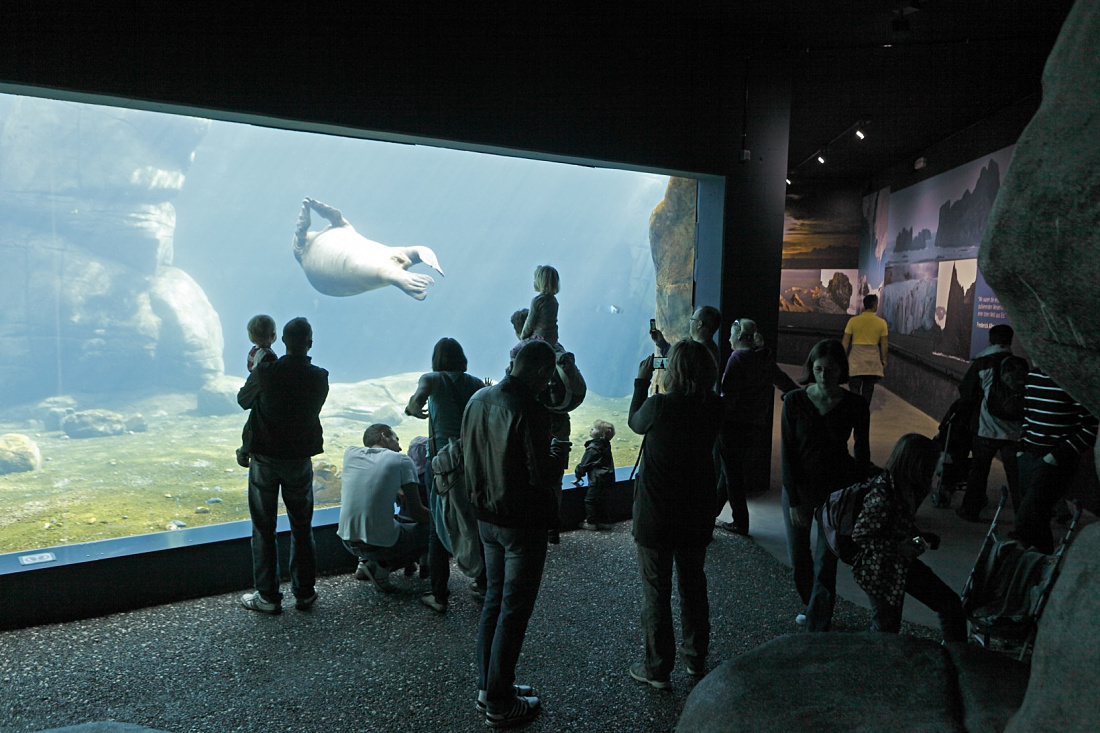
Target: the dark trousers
pixel 1042 484
pixel 660 643
pixel 411 544
pixel 514 559
pixel 926 587
pixel 863 385
pixel 266 476
pixel 596 497
pixel 982 452
pixel 814 572
pixel 745 462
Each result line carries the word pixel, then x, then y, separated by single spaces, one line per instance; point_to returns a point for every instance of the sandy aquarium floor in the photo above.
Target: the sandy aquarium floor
pixel 364 661
pixel 181 470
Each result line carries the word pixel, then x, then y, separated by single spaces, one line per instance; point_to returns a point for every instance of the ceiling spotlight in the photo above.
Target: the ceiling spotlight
pixel 860 135
pixel 821 159
pixel 788 181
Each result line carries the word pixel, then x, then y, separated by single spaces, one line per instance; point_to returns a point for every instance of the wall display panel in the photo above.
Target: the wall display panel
pixel 138 244
pixel 819 291
pixel 955 308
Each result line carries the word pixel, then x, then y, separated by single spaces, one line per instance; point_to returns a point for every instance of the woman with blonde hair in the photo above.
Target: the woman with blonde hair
pixel 674 500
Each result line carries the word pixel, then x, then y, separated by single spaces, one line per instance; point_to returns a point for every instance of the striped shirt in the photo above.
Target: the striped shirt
pixel 1054 422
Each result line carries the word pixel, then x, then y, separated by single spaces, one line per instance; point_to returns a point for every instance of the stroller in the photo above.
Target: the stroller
pixel 1008 587
pixel 955 440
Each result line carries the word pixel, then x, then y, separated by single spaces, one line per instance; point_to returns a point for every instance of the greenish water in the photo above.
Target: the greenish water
pixel 138 483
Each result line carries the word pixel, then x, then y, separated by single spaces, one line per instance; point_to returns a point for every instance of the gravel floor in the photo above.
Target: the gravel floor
pixel 364 661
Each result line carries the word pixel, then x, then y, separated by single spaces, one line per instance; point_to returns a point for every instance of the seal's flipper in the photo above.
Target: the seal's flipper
pixel 333 216
pixel 300 232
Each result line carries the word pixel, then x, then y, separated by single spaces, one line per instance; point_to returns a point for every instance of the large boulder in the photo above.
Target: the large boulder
pixel 18 453
pixel 672 244
pixel 89 301
pixel 218 396
pixel 1041 249
pixel 93 424
pixel 1066 662
pixel 847 682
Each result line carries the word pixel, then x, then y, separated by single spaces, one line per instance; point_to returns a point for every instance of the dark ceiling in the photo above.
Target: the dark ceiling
pixel 917 72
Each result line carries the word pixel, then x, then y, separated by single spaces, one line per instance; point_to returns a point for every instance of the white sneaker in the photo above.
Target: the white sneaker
pixel 800 619
pixel 369 570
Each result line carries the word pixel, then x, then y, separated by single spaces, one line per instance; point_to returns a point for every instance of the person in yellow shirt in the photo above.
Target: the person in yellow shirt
pixel 865 342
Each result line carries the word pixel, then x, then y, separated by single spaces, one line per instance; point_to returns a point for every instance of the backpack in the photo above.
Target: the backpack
pixel 448 466
pixel 837 517
pixel 1006 390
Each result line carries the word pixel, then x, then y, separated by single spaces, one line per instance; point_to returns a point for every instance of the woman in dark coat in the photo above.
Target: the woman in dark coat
pixel 817 423
pixel 674 499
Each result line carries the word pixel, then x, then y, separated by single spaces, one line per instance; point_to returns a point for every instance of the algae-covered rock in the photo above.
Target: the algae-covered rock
pixel 136 424
pixel 93 424
pixel 672 244
pixel 218 396
pixel 18 453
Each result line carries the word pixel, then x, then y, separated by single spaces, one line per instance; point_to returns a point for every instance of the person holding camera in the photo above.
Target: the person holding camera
pixel 674 499
pixel 886 566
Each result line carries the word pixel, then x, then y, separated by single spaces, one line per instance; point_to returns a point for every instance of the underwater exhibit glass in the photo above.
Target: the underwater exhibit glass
pixel 137 245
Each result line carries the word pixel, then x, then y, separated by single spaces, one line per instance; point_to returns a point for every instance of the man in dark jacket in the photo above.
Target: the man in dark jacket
pixel 511 464
pixel 285 397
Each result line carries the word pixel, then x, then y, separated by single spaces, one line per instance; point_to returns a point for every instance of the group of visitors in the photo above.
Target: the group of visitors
pixel 496 454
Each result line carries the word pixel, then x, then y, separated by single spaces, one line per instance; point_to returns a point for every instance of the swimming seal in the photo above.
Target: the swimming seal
pixel 340 261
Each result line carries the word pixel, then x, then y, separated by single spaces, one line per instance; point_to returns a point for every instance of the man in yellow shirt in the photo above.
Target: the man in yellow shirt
pixel 865 341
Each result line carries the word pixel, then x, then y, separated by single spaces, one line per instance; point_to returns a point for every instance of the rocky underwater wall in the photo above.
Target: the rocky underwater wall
pixel 89 299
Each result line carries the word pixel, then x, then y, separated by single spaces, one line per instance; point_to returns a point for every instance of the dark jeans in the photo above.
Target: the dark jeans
pixel 863 385
pixel 814 573
pixel 745 459
pixel 595 501
pixel 514 559
pixel 295 476
pixel 660 643
pixel 982 452
pixel 412 543
pixel 926 587
pixel 1043 485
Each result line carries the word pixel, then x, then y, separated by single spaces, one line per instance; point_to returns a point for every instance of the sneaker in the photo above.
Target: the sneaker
pixel 800 619
pixel 522 710
pixel 304 603
pixel 637 671
pixel 483 696
pixel 255 602
pixel 590 526
pixel 694 667
pixel 242 458
pixel 430 601
pixel 369 570
pixel 732 528
pixel 477 591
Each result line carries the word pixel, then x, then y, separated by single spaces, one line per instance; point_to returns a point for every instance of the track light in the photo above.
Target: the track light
pixel 821 159
pixel 788 181
pixel 860 135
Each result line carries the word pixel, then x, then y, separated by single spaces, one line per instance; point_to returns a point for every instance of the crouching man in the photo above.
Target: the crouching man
pixel 375 477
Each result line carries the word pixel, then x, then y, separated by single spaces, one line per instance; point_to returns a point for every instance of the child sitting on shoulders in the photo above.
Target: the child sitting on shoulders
pixel 599 466
pixel 542 317
pixel 261 332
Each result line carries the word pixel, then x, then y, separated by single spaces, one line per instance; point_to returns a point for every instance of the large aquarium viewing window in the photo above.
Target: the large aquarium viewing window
pixel 136 246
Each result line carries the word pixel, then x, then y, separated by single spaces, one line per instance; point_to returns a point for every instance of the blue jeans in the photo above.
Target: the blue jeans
pixel 660 644
pixel 295 477
pixel 411 544
pixel 514 559
pixel 814 573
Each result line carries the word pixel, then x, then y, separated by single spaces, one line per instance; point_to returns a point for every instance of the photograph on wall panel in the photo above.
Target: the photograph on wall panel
pixel 908 302
pixel 874 229
pixel 955 308
pixel 819 291
pixel 944 217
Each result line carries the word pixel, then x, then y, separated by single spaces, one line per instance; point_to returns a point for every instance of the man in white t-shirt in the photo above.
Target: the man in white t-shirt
pixel 375 478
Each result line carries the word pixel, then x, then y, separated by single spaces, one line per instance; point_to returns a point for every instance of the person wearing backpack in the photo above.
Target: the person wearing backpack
pixel 993 394
pixel 888 544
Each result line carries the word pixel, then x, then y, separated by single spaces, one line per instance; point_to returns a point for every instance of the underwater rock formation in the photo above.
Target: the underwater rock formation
pixel 18 454
pixel 672 243
pixel 88 300
pixel 218 396
pixel 93 424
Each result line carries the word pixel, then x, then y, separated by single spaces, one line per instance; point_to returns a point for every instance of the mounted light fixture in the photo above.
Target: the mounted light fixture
pixel 860 134
pixel 821 158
